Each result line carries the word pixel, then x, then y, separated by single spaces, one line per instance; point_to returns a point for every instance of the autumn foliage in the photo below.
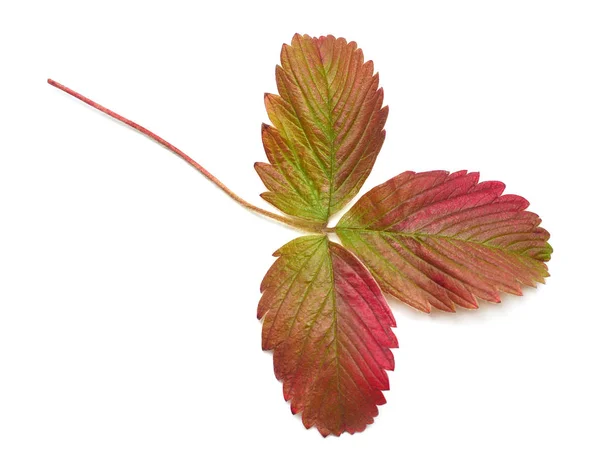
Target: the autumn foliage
pixel 434 240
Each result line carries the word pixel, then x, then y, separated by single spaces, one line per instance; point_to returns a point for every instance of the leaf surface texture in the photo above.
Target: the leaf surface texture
pixel 327 127
pixel 436 239
pixel 328 325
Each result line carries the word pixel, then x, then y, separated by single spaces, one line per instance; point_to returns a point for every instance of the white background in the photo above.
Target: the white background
pixel 129 284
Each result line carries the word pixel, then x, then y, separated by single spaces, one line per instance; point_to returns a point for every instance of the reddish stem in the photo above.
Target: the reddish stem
pixel 296 223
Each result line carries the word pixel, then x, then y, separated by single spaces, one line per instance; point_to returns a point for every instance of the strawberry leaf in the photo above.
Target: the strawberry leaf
pixel 327 127
pixel 439 239
pixel 431 239
pixel 328 324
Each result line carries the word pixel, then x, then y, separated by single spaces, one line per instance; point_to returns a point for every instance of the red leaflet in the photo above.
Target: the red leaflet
pixel 328 127
pixel 329 327
pixel 439 239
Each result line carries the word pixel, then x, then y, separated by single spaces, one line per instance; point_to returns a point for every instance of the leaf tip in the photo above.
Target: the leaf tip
pixel 268 98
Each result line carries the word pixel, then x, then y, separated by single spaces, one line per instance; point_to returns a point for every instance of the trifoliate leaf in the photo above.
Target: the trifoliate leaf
pixel 328 325
pixel 431 239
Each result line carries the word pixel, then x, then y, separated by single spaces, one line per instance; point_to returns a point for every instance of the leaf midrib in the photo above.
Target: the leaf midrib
pixel 335 333
pixel 418 235
pixel 330 133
